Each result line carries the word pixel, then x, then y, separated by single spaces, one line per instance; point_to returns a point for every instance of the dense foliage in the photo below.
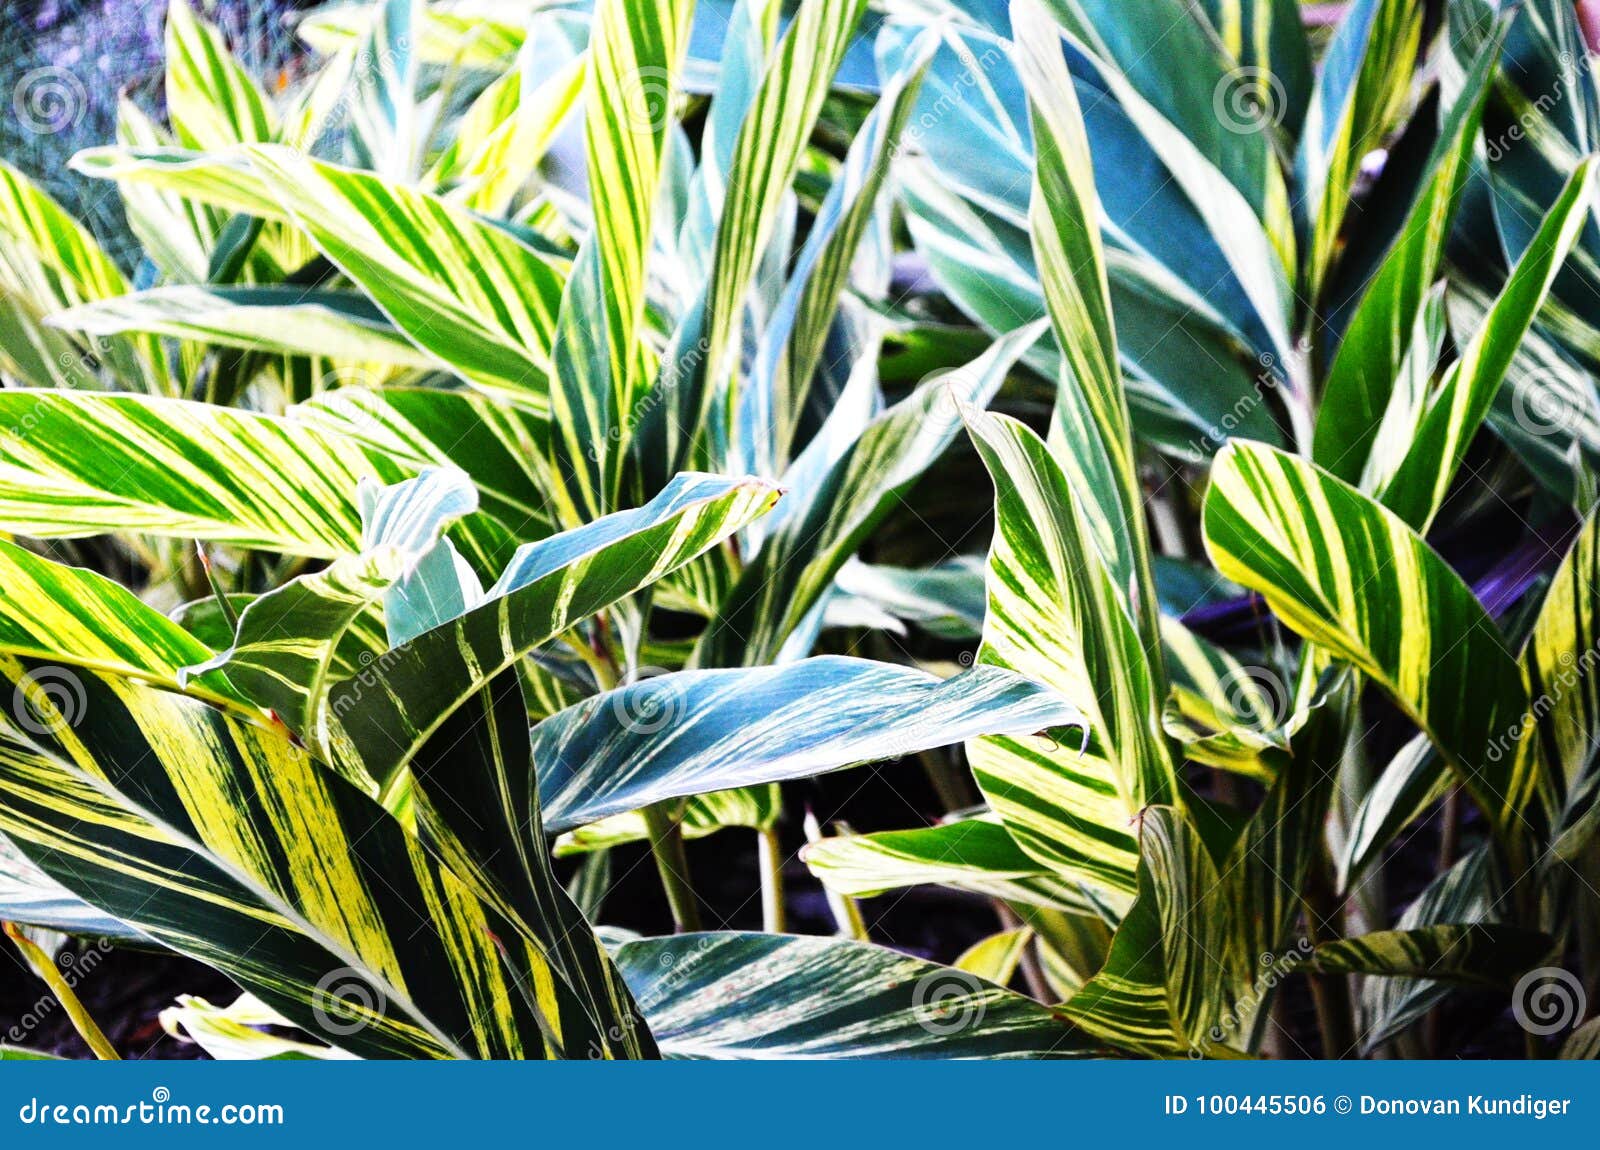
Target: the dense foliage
pixel 514 430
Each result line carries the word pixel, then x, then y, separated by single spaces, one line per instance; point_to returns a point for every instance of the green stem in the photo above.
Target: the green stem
pixel 769 856
pixel 82 1022
pixel 672 863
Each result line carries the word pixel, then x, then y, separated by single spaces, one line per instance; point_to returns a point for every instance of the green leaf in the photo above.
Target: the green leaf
pixel 49 261
pixel 839 490
pixel 466 291
pixel 31 898
pixel 793 341
pixel 83 464
pixel 1482 954
pixel 827 998
pixel 287 652
pixel 281 320
pixel 1454 411
pixel 1376 343
pixel 1057 617
pixel 1090 434
pixel 636 53
pixel 388 711
pixel 1366 75
pixel 499 446
pixel 224 842
pixel 698 731
pixel 388 127
pixel 211 100
pixel 995 958
pixel 971 854
pixel 767 152
pixel 1352 578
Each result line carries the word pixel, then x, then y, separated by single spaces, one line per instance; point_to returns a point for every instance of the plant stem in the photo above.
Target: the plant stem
pixel 666 846
pixel 769 856
pixel 1329 992
pixel 82 1022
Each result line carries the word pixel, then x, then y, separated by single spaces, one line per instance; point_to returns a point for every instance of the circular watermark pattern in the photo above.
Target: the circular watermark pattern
pixel 648 703
pixel 647 99
pixel 1547 1001
pixel 1248 99
pixel 1258 695
pixel 947 1001
pixel 49 100
pixel 1541 409
pixel 345 1002
pixel 48 701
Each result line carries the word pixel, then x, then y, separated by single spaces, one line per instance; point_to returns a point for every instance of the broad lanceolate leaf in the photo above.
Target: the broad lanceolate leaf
pixel 1366 73
pixel 279 319
pixel 971 854
pixel 29 897
pixel 78 464
pixel 465 290
pixel 840 494
pixel 1056 616
pixel 1364 373
pixel 793 341
pixel 1453 413
pixel 49 261
pixel 76 617
pixel 285 655
pixel 635 54
pixel 697 731
pixel 224 842
pixel 827 998
pixel 1355 580
pixel 388 711
pixel 771 140
pixel 388 128
pixel 1091 432
pixel 1484 954
pixel 1560 663
pixel 211 100
pixel 501 447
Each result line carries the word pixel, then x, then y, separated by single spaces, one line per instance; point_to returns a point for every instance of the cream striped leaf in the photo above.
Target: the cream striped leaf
pixel 828 998
pixel 1365 79
pixel 387 127
pixel 692 732
pixel 79 465
pixel 839 490
pixel 389 711
pixel 1090 435
pixel 1352 578
pixel 1056 617
pixel 792 343
pixel 1480 954
pixel 211 100
pixel 49 261
pixel 290 646
pixel 465 290
pixel 1453 413
pixel 766 154
pixel 279 319
pixel 501 447
pixel 224 842
pixel 971 854
pixel 636 53
pixel 1367 367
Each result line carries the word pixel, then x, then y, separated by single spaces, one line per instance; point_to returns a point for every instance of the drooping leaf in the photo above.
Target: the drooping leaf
pixel 698 731
pixel 827 998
